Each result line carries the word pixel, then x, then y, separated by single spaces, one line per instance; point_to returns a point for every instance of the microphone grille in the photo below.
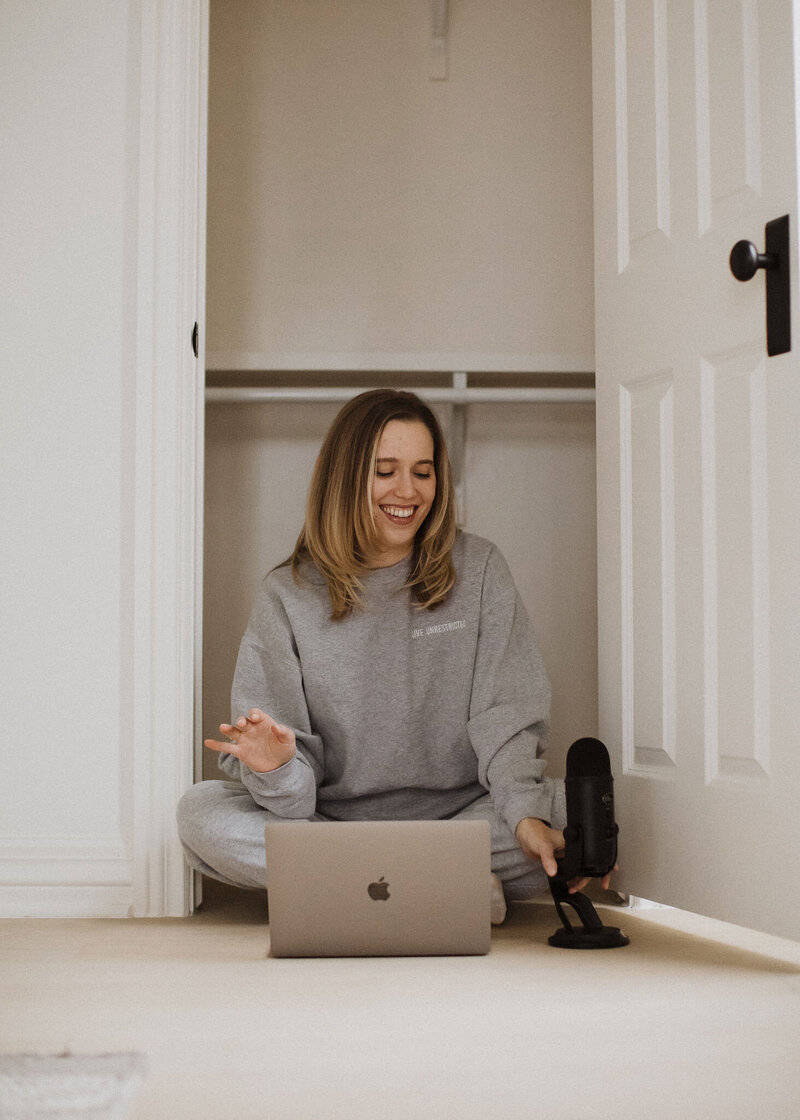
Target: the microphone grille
pixel 588 758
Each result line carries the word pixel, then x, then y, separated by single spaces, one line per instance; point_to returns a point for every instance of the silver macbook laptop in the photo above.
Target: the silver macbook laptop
pixel 378 888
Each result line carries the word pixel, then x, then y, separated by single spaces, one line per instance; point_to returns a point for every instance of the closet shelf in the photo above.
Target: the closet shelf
pixel 457 395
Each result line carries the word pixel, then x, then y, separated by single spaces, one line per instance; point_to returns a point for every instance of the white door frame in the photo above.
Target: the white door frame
pixel 170 385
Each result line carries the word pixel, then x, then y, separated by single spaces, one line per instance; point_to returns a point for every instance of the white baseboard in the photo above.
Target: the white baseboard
pixel 636 903
pixel 65 877
pixel 62 900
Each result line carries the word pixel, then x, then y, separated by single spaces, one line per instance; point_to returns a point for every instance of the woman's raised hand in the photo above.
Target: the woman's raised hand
pixel 257 741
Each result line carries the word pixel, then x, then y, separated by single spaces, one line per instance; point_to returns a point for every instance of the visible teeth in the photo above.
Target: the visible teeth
pixel 396 511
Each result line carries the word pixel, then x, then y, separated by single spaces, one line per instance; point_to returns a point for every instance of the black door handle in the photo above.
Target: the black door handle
pixel 745 261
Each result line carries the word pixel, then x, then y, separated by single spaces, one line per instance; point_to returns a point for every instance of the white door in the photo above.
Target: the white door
pixel 698 461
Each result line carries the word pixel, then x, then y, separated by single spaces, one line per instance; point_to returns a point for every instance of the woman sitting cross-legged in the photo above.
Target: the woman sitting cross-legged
pixel 388 671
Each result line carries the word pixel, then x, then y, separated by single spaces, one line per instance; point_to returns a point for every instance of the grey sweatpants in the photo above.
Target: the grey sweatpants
pixel 222 832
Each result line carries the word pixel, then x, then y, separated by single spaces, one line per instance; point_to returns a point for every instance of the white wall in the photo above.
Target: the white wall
pixel 531 488
pixel 67 180
pixel 366 217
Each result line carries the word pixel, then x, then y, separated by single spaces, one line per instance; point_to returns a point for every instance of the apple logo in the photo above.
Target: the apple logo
pixel 379 891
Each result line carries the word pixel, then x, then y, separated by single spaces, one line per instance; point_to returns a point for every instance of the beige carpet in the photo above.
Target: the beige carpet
pixel 675 1025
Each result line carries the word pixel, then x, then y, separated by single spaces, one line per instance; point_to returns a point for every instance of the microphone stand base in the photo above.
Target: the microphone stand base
pixel 607 937
pixel 591 934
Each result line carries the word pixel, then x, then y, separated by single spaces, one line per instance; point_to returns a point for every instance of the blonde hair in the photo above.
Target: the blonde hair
pixel 339 535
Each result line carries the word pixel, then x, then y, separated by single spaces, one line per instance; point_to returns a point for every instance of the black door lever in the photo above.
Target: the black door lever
pixel 745 261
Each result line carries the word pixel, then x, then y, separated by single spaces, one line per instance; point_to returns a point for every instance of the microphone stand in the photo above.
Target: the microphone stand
pixel 591 934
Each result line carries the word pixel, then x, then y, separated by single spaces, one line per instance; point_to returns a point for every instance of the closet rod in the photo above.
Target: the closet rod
pixel 442 395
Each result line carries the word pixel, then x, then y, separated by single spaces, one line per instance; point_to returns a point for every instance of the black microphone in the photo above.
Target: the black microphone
pixel 590 846
pixel 591 833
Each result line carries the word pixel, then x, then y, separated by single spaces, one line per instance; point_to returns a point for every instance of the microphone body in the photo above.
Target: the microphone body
pixel 591 833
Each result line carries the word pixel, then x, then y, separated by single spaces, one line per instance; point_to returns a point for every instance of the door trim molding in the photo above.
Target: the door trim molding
pixel 170 385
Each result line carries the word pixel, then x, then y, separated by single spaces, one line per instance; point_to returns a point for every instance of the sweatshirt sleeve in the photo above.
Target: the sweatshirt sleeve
pixel 510 703
pixel 268 676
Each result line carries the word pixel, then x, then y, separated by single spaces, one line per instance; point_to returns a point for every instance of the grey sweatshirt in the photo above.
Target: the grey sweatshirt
pixel 399 712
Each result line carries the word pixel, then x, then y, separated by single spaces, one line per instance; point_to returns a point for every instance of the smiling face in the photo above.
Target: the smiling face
pixel 403 487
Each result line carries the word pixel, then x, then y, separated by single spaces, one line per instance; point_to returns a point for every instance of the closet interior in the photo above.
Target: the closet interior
pixel 400 193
